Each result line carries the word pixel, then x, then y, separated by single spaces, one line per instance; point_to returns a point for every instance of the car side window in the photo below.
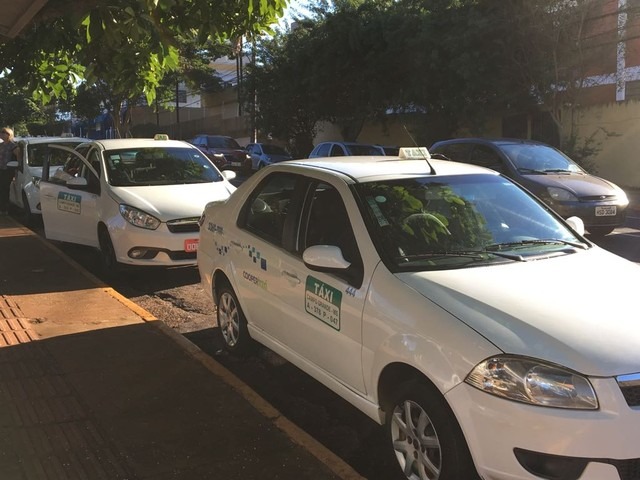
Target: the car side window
pixel 266 211
pixel 484 156
pixel 328 223
pixel 337 151
pixel 323 150
pixel 458 152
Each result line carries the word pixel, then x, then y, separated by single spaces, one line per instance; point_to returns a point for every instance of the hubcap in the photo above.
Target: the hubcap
pixel 229 319
pixel 415 442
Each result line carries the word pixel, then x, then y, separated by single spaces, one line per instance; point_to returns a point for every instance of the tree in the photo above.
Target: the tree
pixel 126 45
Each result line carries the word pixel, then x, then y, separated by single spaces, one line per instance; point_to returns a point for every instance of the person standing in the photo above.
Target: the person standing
pixel 8 151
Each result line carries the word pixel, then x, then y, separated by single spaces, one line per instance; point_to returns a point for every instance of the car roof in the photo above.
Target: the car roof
pixel 116 143
pixel 34 140
pixel 494 141
pixel 369 168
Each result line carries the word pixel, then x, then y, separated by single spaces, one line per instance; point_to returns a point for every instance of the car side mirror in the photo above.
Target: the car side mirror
pixel 77 183
pixel 577 224
pixel 12 164
pixel 228 174
pixel 324 258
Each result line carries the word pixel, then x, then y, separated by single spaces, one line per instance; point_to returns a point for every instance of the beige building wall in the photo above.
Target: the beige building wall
pixel 615 127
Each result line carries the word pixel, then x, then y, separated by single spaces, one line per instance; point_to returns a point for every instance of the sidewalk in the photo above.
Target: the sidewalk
pixel 94 387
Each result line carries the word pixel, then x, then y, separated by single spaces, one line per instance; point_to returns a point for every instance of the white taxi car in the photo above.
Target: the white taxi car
pixel 442 300
pixel 137 200
pixel 24 191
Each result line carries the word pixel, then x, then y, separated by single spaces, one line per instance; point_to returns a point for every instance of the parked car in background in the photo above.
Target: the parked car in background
pixel 136 200
pixel 390 150
pixel 263 154
pixel 24 192
pixel 342 149
pixel 224 151
pixel 426 293
pixel 550 174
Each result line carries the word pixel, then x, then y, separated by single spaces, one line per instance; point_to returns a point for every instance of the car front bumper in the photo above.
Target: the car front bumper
pixel 591 213
pixel 160 247
pixel 604 442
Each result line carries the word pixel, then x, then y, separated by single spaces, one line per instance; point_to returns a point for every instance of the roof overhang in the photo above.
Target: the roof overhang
pixel 17 15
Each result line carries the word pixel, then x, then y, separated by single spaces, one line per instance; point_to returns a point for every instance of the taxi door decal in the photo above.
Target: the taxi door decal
pixel 323 301
pixel 69 202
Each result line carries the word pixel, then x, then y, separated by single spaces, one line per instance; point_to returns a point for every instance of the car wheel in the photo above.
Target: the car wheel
pixel 26 216
pixel 599 232
pixel 232 322
pixel 108 262
pixel 425 437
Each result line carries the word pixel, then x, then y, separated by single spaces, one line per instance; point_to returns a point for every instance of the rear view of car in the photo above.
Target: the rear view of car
pixel 547 172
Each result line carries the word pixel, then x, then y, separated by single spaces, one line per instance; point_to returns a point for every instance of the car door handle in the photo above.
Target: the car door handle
pixel 291 277
pixel 238 245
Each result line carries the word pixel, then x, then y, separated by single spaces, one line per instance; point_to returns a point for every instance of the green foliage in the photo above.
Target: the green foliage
pixel 127 46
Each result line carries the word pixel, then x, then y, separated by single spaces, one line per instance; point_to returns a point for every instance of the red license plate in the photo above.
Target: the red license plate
pixel 191 245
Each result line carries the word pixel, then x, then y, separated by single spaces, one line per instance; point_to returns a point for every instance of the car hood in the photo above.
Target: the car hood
pixel 169 202
pixel 580 184
pixel 579 310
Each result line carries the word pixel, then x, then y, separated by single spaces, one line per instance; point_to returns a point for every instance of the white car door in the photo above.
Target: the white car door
pixel 70 201
pixel 317 315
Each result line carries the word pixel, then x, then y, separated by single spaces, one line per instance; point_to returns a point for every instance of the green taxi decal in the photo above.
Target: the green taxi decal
pixel 323 301
pixel 69 202
pixel 255 280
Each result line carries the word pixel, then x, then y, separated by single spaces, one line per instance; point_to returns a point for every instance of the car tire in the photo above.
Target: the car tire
pixel 442 451
pixel 232 323
pixel 108 263
pixel 600 232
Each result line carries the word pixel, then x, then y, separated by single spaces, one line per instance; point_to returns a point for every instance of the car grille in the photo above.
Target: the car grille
pixel 182 255
pixel 598 198
pixel 183 225
pixel 630 387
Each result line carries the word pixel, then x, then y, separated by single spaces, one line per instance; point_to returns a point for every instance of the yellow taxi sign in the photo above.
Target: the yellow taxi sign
pixel 414 153
pixel 161 136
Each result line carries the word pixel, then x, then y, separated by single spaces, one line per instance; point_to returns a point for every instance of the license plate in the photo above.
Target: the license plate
pixel 606 211
pixel 191 245
pixel 236 164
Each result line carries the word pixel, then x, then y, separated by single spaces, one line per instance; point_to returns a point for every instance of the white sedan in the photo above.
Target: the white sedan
pixel 136 200
pixel 442 300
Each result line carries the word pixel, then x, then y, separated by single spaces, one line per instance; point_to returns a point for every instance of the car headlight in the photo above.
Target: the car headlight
pixel 561 195
pixel 139 218
pixel 534 382
pixel 218 155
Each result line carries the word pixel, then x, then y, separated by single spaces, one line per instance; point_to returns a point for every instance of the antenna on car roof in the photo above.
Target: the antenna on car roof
pixel 416 153
pixel 415 144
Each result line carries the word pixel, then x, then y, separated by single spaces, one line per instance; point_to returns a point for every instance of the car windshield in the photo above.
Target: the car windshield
pixel 459 221
pixel 158 166
pixel 539 159
pixel 274 150
pixel 365 150
pixel 223 142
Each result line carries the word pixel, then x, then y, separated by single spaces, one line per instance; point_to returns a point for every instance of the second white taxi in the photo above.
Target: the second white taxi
pixel 136 200
pixel 442 300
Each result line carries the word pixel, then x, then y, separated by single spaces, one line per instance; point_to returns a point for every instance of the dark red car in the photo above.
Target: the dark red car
pixel 224 152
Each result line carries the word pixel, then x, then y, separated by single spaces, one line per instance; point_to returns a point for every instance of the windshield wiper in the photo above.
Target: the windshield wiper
pixel 557 170
pixel 472 254
pixel 536 241
pixel 531 170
